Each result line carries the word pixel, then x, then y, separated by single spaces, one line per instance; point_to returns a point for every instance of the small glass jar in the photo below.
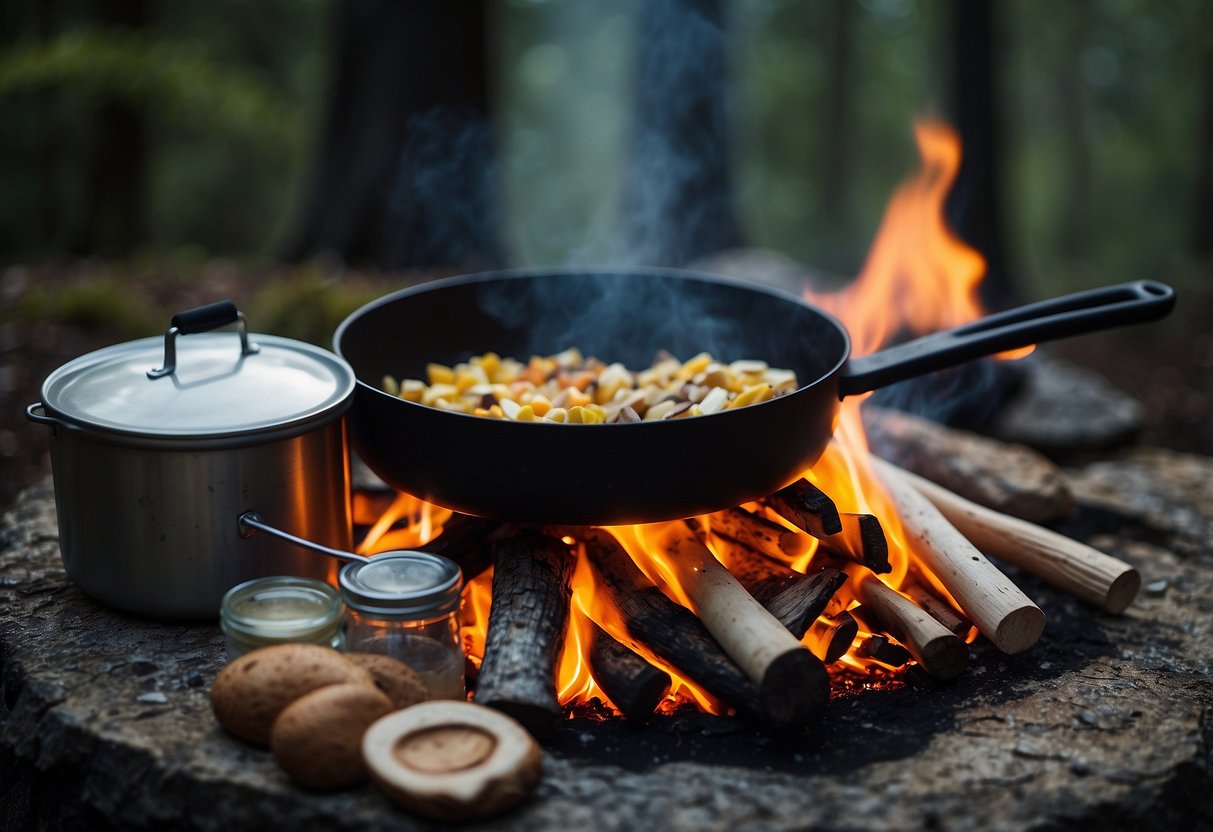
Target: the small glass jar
pixel 406 605
pixel 280 609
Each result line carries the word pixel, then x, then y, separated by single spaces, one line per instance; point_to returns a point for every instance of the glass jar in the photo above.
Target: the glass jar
pixel 406 605
pixel 280 609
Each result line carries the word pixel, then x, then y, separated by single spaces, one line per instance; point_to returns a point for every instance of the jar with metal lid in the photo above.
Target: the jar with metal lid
pixel 406 605
pixel 280 609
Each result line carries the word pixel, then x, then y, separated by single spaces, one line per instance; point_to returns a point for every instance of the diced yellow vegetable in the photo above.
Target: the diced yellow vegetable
pixel 540 404
pixel 412 389
pixel 526 413
pixel 390 386
pixel 438 391
pixel 752 395
pixel 439 373
pixel 694 365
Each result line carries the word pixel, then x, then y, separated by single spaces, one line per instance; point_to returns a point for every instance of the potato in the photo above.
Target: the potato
pixel 317 739
pixel 250 692
pixel 392 676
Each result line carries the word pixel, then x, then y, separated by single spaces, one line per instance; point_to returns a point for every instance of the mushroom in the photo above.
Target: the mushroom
pixel 392 676
pixel 452 760
pixel 250 692
pixel 317 739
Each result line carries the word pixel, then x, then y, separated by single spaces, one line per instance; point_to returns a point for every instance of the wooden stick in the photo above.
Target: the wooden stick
pixel 940 610
pixel 862 541
pixel 656 625
pixel 878 646
pixel 831 636
pixel 938 651
pixel 1000 610
pixel 795 599
pixel 761 534
pixel 1011 479
pixel 806 507
pixel 1086 573
pixel 633 685
pixel 527 621
pixel 792 683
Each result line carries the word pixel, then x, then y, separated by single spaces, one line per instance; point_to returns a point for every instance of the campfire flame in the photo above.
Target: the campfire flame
pixel 919 277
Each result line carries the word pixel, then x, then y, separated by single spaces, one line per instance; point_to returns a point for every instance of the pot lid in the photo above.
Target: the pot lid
pixel 215 388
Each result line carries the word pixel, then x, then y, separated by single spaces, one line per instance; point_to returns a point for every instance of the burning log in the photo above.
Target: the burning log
pixel 880 648
pixel 798 600
pixel 831 636
pixel 527 621
pixel 939 610
pixel 792 683
pixel 1011 479
pixel 862 541
pixel 1000 610
pixel 666 630
pixel 761 534
pixel 468 541
pixel 939 652
pixel 806 507
pixel 634 686
pixel 1086 573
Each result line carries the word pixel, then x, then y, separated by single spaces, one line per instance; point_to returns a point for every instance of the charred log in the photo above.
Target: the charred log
pixel 527 621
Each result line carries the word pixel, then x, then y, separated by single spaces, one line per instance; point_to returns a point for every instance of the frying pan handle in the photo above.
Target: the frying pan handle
pixel 1075 314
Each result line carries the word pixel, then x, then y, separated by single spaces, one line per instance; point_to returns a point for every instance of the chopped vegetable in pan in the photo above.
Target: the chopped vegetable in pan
pixel 572 389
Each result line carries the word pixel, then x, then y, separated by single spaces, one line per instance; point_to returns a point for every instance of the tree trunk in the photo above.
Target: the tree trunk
pixel 677 194
pixel 975 202
pixel 405 170
pixel 116 173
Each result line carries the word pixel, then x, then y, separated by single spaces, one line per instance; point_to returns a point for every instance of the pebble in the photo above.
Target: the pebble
pixel 1156 587
pixel 154 698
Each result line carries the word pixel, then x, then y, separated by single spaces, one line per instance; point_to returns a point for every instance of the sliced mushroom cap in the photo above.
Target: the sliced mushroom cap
pixel 452 760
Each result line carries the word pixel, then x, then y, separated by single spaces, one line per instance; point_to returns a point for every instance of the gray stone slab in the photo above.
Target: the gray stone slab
pixel 1106 723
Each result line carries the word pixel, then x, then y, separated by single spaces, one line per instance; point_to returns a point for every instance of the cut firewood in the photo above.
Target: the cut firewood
pixel 655 625
pixel 527 621
pixel 633 685
pixel 1086 573
pixel 795 599
pixel 806 507
pixel 938 651
pixel 880 648
pixel 452 761
pixel 940 610
pixel 1011 479
pixel 831 637
pixel 792 683
pixel 761 534
pixel 1000 610
pixel 468 541
pixel 862 541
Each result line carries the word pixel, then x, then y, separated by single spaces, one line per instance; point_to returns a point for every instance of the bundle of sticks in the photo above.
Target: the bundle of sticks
pixel 756 634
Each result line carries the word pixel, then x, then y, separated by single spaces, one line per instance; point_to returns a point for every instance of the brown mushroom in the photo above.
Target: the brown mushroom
pixel 452 760
pixel 317 739
pixel 250 692
pixel 392 676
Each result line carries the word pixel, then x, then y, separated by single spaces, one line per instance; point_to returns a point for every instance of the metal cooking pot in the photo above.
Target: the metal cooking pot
pixel 647 471
pixel 159 446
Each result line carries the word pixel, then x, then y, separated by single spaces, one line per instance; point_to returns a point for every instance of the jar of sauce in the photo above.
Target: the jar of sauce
pixel 406 605
pixel 280 609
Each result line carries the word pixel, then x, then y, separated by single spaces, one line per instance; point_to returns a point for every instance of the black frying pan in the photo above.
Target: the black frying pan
pixel 650 471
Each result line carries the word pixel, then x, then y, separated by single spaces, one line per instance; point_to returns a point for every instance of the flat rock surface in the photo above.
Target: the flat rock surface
pixel 1106 723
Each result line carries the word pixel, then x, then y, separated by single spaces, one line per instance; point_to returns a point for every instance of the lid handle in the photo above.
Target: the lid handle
pixel 202 319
